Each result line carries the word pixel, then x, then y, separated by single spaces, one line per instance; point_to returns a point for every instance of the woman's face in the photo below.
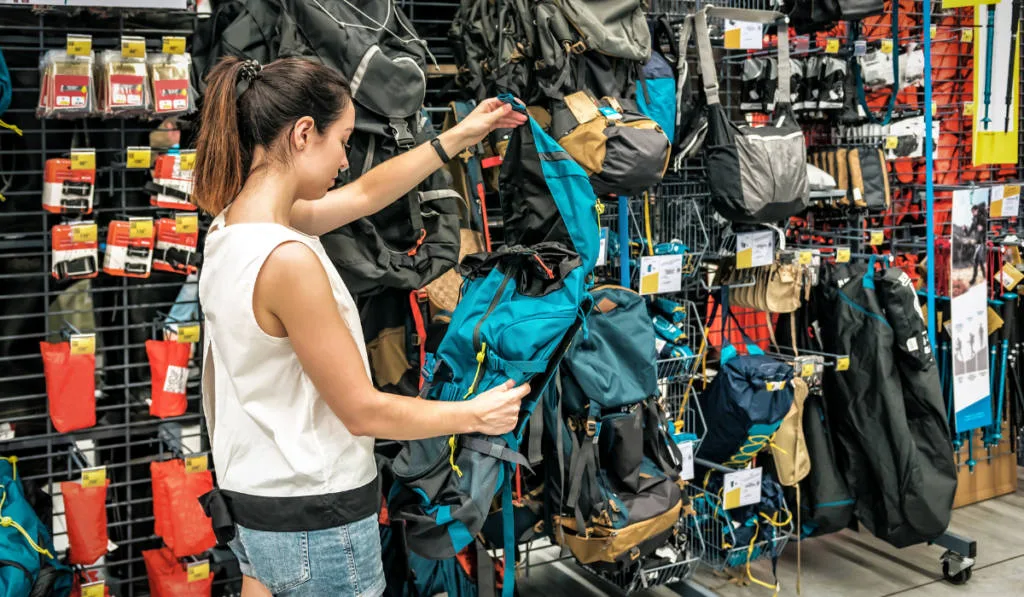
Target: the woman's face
pixel 324 155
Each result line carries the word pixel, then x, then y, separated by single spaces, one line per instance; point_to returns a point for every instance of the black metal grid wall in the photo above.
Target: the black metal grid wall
pixel 125 311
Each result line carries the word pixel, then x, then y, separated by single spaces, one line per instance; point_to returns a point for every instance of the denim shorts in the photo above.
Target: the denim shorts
pixel 343 560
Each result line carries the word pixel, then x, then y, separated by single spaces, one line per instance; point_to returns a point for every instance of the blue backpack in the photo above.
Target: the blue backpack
pixel 747 400
pixel 656 87
pixel 520 308
pixel 27 563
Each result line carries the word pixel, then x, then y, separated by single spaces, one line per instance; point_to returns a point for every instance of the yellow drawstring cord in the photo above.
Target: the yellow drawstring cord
pixel 11 127
pixel 480 357
pixel 7 521
pixel 647 223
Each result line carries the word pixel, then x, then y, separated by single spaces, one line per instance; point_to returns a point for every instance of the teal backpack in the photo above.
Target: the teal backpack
pixel 521 306
pixel 28 565
pixel 656 86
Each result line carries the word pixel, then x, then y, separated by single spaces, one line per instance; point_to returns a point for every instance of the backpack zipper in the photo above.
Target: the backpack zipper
pixel 490 308
pixel 19 566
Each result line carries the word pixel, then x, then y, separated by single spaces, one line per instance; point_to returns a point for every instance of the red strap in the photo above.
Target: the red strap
pixel 415 297
pixel 483 215
pixel 491 162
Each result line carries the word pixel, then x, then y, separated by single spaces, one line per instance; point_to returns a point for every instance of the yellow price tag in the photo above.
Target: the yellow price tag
pixel 84 233
pixel 94 477
pixel 887 46
pixel 891 142
pixel 174 45
pixel 806 257
pixel 745 259
pixel 842 363
pixel 96 589
pixel 83 159
pixel 199 571
pixel 140 157
pixel 79 45
pixel 1011 190
pixel 967 36
pixel 187 161
pixel 188 334
pixel 877 237
pixel 807 370
pixel 141 228
pixel 186 223
pixel 832 45
pixel 968 108
pixel 934 31
pixel 197 464
pixel 83 344
pixel 935 108
pixel 843 255
pixel 133 47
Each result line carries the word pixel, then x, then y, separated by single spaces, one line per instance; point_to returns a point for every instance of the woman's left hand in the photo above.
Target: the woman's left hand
pixel 489 115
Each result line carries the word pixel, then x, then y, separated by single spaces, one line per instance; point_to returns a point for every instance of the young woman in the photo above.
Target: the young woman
pixel 290 407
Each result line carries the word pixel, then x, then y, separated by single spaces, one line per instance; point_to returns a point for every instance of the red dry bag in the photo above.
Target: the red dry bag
pixel 85 509
pixel 70 386
pixel 179 518
pixel 169 578
pixel 168 367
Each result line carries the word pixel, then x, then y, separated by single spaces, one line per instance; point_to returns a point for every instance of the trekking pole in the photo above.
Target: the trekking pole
pixel 1014 30
pixel 1009 303
pixel 989 41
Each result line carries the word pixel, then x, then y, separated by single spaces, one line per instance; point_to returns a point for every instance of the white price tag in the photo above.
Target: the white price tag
pixel 660 274
pixel 176 380
pixel 742 488
pixel 6 432
pixel 602 252
pixel 741 35
pixel 754 249
pixel 686 451
pixel 1011 200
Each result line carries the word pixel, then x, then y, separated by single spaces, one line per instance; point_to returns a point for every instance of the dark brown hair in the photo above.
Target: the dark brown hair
pixel 245 107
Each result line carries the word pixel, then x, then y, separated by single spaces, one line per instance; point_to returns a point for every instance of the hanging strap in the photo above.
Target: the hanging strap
pixel 484 571
pixel 534 453
pixel 709 75
pixel 494 450
pixel 508 530
pixel 682 66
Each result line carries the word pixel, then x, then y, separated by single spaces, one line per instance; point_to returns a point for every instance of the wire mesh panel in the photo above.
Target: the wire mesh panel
pixel 730 543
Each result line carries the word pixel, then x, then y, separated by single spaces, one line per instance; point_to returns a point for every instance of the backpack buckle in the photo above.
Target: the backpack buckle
pixel 591 427
pixel 579 47
pixel 401 132
pixel 634 553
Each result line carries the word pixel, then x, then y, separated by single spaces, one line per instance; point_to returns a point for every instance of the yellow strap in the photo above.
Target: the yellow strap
pixel 599 208
pixel 11 127
pixel 451 456
pixel 750 553
pixel 647 223
pixel 799 532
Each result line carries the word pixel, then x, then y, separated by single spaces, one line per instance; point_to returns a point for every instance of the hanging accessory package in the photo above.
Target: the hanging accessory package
pixel 66 90
pixel 129 250
pixel 168 366
pixel 70 371
pixel 85 509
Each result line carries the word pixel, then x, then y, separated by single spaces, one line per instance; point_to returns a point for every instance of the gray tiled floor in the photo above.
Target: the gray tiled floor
pixel 858 565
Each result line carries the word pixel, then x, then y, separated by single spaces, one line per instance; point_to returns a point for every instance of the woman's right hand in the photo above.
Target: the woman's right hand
pixel 496 411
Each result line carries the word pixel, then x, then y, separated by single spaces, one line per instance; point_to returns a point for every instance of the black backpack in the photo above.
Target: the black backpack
pixel 416 239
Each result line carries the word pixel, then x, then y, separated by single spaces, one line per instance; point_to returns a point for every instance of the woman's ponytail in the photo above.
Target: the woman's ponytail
pixel 219 153
pixel 265 101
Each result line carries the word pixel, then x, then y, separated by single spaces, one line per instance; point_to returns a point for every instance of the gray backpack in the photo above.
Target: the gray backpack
pixel 756 175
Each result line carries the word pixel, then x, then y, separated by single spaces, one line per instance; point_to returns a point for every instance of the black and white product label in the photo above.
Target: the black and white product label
pixel 602 252
pixel 75 262
pixel 742 488
pixel 135 260
pixel 177 378
pixel 686 451
pixel 68 196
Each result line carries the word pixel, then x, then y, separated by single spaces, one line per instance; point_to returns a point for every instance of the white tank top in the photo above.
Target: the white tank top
pixel 271 432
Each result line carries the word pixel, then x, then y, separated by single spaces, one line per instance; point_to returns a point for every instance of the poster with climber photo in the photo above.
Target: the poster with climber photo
pixel 968 328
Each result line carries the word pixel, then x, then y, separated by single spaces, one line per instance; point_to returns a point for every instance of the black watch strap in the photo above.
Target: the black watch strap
pixel 441 153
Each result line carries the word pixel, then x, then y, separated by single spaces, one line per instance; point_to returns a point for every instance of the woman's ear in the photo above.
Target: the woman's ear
pixel 302 133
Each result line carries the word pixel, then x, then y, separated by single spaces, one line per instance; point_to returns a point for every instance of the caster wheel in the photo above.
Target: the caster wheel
pixel 960 577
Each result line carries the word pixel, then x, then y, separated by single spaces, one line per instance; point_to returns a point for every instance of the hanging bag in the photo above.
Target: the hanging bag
pixel 756 175
pixel 85 509
pixel 169 578
pixel 168 368
pixel 748 399
pixel 178 516
pixel 70 386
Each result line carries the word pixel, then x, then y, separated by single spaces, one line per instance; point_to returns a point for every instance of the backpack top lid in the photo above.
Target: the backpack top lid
pixel 370 41
pixel 545 194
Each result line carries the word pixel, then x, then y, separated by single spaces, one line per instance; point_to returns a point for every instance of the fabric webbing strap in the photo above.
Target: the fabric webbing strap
pixel 494 450
pixel 709 75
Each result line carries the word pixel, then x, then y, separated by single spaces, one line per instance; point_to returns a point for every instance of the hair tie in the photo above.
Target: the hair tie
pixel 249 72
